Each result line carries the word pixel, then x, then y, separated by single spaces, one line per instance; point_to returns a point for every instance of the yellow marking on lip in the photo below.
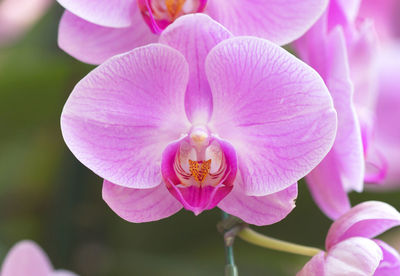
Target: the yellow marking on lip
pixel 174 7
pixel 199 175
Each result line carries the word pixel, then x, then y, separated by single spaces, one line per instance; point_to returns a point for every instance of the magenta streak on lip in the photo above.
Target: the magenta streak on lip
pixel 154 24
pixel 202 5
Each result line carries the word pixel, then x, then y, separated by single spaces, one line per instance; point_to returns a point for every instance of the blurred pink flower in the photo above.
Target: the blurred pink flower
pixel 93 31
pixel 385 15
pixel 27 258
pixel 386 135
pixel 201 119
pixel 350 249
pixel 343 50
pixel 16 16
pixel 384 150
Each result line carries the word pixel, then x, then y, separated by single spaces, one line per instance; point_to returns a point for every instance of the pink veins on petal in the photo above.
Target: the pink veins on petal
pixel 199 120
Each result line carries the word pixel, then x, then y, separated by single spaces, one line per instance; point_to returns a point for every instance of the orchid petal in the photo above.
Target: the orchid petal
pixel 119 118
pixel 353 257
pixel 328 55
pixel 376 165
pixel 94 44
pixel 326 189
pixel 390 265
pixel 259 210
pixel 26 258
pixel 140 205
pixel 348 146
pixel 367 219
pixel 194 36
pixel 314 267
pixel 280 21
pixel 362 49
pixel 273 108
pixel 107 13
pixel 342 170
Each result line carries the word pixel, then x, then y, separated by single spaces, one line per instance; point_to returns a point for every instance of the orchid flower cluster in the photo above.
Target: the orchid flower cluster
pixel 196 105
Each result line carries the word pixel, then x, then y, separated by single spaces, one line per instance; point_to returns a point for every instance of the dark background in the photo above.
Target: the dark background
pixel 46 195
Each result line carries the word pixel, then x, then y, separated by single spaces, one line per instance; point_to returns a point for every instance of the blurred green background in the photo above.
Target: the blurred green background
pixel 46 195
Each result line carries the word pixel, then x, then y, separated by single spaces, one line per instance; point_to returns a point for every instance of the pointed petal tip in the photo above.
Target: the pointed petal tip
pixel 197 212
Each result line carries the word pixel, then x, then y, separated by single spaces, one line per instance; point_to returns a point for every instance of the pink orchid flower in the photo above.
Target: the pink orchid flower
pixel 17 16
pixel 27 258
pixel 349 248
pixel 343 51
pixel 198 120
pixel 93 31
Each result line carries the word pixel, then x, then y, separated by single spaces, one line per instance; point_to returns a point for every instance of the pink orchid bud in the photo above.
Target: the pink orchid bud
pixel 350 249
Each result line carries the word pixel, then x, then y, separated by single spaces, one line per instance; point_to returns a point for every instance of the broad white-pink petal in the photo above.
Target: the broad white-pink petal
pixel 259 210
pixel 140 205
pixel 108 13
pixel 194 36
pixel 122 115
pixel 94 44
pixel 273 108
pixel 367 219
pixel 26 258
pixel 353 257
pixel 314 267
pixel 280 21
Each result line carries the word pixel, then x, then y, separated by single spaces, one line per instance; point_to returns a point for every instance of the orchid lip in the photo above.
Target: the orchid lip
pixel 199 170
pixel 206 205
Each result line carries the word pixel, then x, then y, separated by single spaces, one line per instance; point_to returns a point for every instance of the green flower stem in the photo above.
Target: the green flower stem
pixel 253 237
pixel 230 267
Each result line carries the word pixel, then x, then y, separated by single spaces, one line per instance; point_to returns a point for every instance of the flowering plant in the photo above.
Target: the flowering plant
pixel 196 106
